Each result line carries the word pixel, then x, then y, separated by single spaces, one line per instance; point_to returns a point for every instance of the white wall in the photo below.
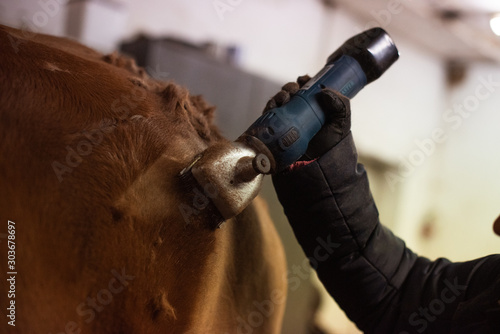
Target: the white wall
pixel 279 39
pixel 466 191
pixel 39 16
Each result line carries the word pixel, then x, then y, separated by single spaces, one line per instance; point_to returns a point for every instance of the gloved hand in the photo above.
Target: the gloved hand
pixel 337 116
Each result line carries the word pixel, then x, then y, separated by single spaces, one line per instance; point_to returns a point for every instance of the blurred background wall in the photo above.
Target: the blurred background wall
pixel 427 131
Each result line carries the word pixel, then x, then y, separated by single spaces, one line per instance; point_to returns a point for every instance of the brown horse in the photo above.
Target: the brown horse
pixel 106 237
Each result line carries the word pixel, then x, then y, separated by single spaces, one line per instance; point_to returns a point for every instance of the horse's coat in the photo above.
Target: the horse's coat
pixel 90 152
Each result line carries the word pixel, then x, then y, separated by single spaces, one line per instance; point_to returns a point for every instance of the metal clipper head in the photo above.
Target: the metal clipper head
pixel 232 172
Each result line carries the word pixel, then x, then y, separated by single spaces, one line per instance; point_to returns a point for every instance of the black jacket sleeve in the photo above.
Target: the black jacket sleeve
pixel 381 284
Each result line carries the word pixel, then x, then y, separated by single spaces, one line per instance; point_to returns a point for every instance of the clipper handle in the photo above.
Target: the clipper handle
pixel 286 131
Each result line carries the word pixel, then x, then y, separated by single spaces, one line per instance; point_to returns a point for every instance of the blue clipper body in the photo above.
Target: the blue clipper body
pixel 286 131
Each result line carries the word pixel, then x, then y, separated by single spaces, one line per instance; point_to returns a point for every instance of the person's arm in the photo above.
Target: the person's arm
pixel 381 285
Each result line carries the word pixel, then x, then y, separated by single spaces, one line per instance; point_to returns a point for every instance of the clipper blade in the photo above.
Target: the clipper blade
pixel 230 175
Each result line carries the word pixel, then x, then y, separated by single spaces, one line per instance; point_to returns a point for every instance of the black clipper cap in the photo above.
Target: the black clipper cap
pixel 373 49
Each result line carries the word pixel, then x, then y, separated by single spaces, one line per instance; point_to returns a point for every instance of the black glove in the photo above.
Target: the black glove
pixel 337 116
